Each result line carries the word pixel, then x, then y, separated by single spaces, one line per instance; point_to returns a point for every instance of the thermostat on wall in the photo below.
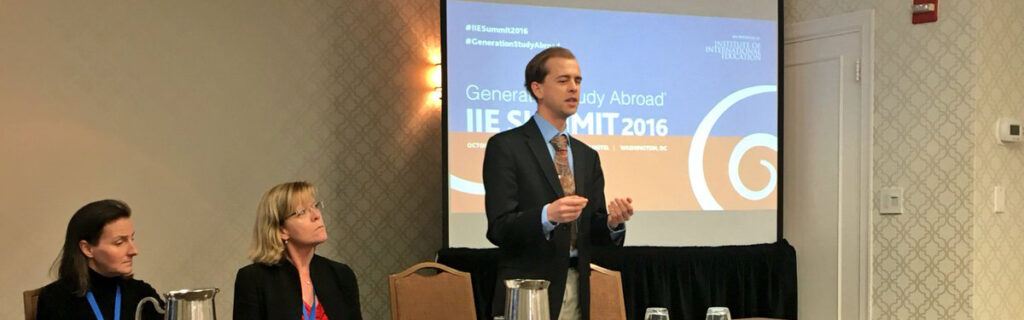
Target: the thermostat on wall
pixel 1008 130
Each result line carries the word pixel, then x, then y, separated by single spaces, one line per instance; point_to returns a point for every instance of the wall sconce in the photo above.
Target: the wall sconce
pixel 435 81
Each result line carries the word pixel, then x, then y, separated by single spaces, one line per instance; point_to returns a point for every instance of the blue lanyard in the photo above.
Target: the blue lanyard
pixel 96 308
pixel 311 314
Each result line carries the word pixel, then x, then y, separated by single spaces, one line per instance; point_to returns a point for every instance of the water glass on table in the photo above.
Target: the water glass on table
pixel 656 313
pixel 718 313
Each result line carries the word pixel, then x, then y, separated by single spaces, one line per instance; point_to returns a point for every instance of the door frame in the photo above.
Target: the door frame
pixel 863 22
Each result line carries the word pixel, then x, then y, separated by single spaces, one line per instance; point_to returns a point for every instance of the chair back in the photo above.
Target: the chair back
pixel 31 301
pixel 447 295
pixel 606 298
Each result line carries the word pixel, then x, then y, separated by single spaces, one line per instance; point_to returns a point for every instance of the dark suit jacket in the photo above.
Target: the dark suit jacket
pixel 274 292
pixel 519 179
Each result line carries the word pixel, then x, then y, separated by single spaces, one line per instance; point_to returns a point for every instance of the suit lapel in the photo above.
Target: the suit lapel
pixel 543 156
pixel 332 301
pixel 578 163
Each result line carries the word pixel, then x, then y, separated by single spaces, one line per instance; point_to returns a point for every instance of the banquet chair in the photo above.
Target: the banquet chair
pixel 31 300
pixel 606 298
pixel 446 294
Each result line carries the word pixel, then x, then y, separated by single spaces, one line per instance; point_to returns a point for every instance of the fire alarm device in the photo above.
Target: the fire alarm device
pixel 925 11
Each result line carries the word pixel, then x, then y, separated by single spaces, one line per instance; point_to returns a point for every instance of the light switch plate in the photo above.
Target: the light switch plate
pixel 999 199
pixel 890 200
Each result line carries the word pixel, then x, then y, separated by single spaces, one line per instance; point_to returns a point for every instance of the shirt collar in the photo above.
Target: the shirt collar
pixel 547 130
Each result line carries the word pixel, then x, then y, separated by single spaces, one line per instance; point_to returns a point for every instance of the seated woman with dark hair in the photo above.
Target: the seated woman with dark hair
pixel 286 279
pixel 95 268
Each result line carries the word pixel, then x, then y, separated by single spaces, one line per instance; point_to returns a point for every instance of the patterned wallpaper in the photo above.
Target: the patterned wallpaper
pixel 925 99
pixel 383 140
pixel 190 110
pixel 999 255
pixel 940 89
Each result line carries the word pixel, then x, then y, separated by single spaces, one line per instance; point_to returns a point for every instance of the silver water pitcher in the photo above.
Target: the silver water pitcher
pixel 527 299
pixel 188 304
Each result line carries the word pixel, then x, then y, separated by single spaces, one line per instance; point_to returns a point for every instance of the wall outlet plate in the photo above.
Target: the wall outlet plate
pixel 890 201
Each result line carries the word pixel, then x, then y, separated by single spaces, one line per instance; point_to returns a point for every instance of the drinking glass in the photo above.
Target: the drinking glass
pixel 718 313
pixel 656 313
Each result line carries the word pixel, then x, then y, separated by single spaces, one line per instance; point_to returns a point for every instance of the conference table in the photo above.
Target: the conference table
pixel 752 281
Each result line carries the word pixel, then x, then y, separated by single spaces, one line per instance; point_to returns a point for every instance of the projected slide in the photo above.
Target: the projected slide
pixel 682 109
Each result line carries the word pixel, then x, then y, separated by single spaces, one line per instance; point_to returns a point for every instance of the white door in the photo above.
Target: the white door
pixel 827 158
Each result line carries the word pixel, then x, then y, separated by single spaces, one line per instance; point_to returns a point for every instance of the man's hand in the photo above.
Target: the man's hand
pixel 619 211
pixel 566 209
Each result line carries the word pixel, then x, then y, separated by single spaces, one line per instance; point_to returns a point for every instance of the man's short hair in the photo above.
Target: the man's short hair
pixel 537 68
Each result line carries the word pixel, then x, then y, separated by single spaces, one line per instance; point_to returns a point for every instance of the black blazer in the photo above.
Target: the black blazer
pixel 264 292
pixel 519 179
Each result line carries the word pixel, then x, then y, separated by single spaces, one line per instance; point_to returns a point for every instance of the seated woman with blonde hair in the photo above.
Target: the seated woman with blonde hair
pixel 287 280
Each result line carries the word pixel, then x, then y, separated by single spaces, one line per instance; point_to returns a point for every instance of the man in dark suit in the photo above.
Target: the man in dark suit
pixel 545 193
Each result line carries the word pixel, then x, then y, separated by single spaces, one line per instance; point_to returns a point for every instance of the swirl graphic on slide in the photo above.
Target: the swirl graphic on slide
pixel 463 185
pixel 748 142
pixel 700 140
